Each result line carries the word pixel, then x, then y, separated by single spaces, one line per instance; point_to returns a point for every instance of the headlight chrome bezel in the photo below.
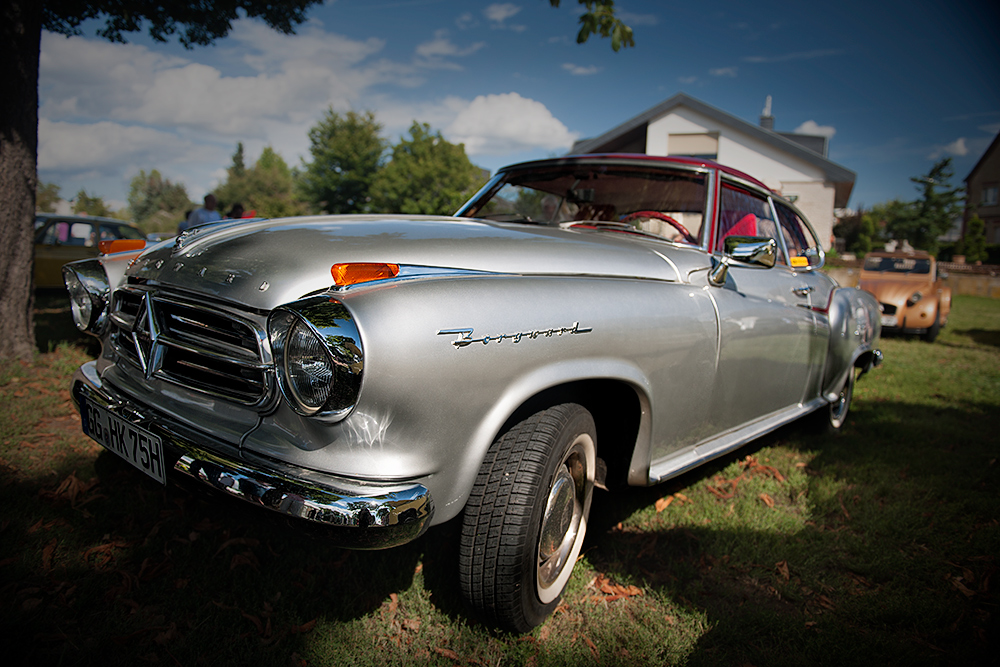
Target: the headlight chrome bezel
pixel 914 299
pixel 333 327
pixel 89 295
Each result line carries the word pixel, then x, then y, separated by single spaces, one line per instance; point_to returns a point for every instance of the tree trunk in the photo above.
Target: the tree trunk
pixel 20 40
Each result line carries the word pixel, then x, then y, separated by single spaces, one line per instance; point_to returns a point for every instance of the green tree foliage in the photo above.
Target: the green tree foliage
pixel 600 19
pixel 267 188
pixel 155 203
pixel 426 175
pixel 88 205
pixel 933 213
pixel 238 187
pixel 195 23
pixel 46 197
pixel 973 243
pixel 848 228
pixel 347 151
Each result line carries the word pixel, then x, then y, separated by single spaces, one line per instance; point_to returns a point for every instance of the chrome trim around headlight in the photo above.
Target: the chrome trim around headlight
pixel 333 325
pixel 86 279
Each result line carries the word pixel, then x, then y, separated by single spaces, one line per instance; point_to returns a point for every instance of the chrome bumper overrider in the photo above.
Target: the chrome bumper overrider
pixel 372 516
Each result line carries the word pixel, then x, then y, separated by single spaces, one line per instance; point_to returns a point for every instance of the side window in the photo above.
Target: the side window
pixel 82 233
pixel 742 213
pixel 802 245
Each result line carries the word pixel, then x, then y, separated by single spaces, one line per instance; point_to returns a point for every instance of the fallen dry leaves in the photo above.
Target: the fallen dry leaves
pixel 665 502
pixel 609 592
pixel 724 489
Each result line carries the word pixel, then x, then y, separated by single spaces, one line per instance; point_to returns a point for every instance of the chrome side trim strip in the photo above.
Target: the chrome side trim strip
pixel 693 456
pixel 359 515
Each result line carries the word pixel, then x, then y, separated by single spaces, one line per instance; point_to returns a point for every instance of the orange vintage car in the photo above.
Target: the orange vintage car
pixel 910 293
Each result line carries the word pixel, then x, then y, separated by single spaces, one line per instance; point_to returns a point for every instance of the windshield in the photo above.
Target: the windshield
pixel 898 264
pixel 665 203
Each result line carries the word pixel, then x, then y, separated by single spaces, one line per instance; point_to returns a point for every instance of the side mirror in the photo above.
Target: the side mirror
pixel 752 250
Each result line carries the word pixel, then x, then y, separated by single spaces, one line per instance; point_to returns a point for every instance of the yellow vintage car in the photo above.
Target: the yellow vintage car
pixel 910 292
pixel 66 238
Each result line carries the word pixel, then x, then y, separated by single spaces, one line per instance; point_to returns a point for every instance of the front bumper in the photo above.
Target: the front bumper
pixel 359 514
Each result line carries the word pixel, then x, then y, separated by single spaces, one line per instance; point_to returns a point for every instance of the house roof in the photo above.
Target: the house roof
pixel 841 177
pixel 986 153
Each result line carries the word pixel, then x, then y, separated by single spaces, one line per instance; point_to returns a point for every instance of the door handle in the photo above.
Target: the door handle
pixel 804 290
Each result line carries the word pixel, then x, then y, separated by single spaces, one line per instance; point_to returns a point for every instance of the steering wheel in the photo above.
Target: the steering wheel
pixel 688 237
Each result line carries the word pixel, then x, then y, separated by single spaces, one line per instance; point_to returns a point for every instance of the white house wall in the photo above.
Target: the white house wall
pixel 778 170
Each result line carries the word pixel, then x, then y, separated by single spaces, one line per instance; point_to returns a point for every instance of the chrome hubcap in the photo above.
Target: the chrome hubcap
pixel 558 527
pixel 564 522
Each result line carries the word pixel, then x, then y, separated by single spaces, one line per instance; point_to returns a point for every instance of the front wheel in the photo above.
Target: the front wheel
pixel 931 334
pixel 525 520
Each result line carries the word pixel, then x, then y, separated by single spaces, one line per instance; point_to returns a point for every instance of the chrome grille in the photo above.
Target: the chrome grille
pixel 210 350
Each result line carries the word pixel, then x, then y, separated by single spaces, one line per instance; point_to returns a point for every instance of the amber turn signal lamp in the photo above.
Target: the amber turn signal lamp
pixel 120 245
pixel 800 262
pixel 352 274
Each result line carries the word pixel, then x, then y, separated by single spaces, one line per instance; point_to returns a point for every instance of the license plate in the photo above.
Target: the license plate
pixel 136 445
pixel 889 320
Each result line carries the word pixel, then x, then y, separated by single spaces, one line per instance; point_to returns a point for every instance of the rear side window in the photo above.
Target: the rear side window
pixel 64 232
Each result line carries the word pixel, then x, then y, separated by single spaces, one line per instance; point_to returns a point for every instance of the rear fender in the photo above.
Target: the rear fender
pixel 855 326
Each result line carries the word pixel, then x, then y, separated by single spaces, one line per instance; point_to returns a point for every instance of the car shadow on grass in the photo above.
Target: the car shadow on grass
pixel 892 564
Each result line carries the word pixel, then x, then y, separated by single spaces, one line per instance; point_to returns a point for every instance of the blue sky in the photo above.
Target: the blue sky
pixel 896 85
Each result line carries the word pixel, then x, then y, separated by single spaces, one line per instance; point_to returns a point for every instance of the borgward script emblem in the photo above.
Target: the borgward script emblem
pixel 464 336
pixel 145 332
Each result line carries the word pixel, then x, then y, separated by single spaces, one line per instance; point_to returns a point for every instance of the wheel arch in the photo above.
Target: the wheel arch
pixel 620 414
pixel 616 394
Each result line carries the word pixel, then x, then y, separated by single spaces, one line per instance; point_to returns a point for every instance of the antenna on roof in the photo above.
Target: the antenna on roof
pixel 766 119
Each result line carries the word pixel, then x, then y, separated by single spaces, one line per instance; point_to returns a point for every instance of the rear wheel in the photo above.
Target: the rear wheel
pixel 526 518
pixel 831 418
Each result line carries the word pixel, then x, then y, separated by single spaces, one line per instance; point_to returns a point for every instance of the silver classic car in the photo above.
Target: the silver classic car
pixel 581 323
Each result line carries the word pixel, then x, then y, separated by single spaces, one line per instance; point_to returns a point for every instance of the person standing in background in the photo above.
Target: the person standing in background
pixel 200 216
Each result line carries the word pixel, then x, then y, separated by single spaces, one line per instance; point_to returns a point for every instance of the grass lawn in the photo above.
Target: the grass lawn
pixel 878 546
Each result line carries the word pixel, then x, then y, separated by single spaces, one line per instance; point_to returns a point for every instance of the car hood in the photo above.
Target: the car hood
pixel 895 290
pixel 268 262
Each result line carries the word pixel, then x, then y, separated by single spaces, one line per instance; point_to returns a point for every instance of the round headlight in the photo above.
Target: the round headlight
pixel 318 357
pixel 79 300
pixel 88 289
pixel 308 365
pixel 913 300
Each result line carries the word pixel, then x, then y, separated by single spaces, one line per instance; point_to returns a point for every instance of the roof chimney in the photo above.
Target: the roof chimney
pixel 766 119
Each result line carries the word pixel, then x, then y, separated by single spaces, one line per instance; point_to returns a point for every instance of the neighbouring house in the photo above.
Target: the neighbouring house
pixel 982 192
pixel 795 165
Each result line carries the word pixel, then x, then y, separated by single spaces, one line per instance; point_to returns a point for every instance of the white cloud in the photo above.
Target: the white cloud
pixel 632 20
pixel 723 71
pixel 466 21
pixel 955 148
pixel 799 55
pixel 498 15
pixel 813 128
pixel 435 53
pixel 508 123
pixel 103 146
pixel 288 79
pixel 580 70
pixel 992 128
pixel 500 12
pixel 686 80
